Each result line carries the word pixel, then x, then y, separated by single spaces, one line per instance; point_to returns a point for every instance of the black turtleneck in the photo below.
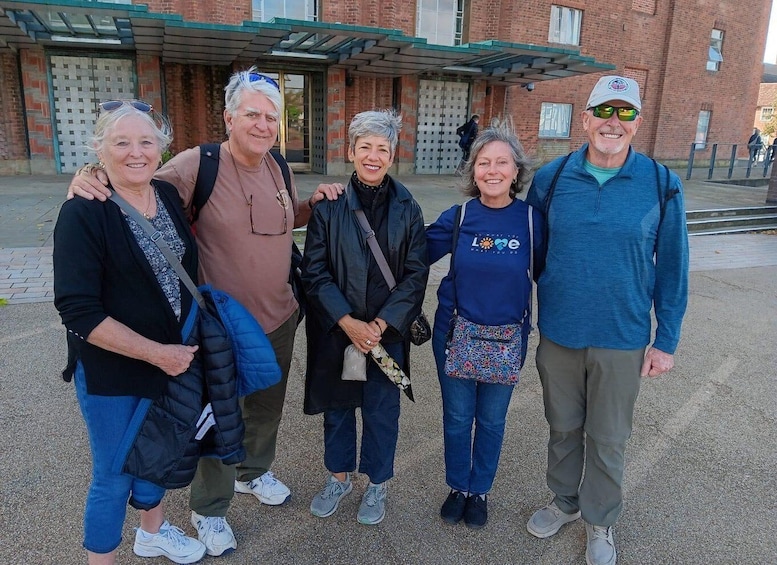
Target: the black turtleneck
pixel 374 201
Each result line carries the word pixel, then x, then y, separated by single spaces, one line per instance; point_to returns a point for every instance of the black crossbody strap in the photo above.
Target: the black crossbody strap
pixel 157 237
pixel 372 242
pixel 454 240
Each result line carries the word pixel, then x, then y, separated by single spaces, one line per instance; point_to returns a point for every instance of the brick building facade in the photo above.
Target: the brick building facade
pixel 697 62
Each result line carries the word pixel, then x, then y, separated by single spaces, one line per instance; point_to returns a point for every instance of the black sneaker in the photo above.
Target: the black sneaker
pixel 476 511
pixel 452 510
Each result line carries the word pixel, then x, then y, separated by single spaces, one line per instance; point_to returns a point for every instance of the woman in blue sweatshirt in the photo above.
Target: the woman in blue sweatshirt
pixel 492 287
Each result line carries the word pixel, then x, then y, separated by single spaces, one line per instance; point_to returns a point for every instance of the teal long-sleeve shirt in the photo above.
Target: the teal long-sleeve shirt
pixel 608 263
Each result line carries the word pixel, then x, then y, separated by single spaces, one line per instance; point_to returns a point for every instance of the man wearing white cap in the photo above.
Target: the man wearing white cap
pixel 617 248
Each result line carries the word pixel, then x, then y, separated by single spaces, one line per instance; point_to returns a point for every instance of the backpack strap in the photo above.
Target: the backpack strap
pixel 206 177
pixel 284 168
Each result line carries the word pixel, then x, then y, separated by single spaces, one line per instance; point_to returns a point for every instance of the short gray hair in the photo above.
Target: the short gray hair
pixel 108 120
pixel 241 81
pixel 380 123
pixel 499 130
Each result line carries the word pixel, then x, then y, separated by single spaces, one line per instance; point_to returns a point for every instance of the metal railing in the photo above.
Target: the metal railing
pixel 761 163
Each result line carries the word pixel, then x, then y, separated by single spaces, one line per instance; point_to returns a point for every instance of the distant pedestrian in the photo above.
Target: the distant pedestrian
pixel 755 144
pixel 467 134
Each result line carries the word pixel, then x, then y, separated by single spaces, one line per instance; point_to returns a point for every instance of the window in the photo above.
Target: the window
pixel 265 10
pixel 702 129
pixel 766 113
pixel 565 25
pixel 715 56
pixel 555 119
pixel 440 21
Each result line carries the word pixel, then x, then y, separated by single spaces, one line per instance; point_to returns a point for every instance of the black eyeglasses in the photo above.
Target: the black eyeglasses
pixel 259 77
pixel 281 199
pixel 605 112
pixel 139 105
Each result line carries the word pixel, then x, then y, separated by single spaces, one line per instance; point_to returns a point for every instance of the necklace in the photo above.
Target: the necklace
pixel 249 201
pixel 150 201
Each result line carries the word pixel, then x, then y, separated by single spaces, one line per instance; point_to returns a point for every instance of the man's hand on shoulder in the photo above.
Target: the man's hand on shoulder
pixel 328 191
pixel 89 182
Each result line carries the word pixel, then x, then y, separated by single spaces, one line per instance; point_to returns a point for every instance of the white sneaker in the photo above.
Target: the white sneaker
pixel 215 533
pixel 600 548
pixel 266 488
pixel 170 542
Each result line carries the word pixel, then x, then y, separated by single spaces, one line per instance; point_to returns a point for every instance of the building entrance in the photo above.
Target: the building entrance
pixel 442 107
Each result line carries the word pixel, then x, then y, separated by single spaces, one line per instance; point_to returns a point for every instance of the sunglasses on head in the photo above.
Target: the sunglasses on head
pixel 139 105
pixel 605 112
pixel 258 77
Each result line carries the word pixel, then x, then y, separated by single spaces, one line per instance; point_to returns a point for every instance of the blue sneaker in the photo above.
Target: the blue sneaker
pixel 325 503
pixel 373 507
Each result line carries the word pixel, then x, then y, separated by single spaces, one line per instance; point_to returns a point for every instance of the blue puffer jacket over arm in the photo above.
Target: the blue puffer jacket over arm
pixel 235 359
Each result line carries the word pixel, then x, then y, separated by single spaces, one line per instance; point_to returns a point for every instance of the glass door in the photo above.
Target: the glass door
pixel 294 130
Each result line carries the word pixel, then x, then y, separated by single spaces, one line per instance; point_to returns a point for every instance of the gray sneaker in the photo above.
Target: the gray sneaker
pixel 373 507
pixel 325 502
pixel 547 521
pixel 600 548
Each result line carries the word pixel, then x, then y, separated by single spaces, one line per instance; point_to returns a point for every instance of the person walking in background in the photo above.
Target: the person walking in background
pixel 755 144
pixel 494 243
pixel 245 239
pixel 617 248
pixel 124 309
pixel 467 134
pixel 351 303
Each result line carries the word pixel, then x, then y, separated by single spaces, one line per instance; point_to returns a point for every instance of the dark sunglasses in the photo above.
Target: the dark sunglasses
pixel 111 105
pixel 605 112
pixel 258 77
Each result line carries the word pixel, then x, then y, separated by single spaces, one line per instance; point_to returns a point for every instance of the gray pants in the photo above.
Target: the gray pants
pixel 589 404
pixel 214 483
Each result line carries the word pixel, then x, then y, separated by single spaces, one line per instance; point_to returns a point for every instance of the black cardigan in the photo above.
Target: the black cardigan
pixel 100 271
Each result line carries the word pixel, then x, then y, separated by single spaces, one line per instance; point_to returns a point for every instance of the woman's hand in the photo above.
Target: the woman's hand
pixel 363 335
pixel 90 183
pixel 173 359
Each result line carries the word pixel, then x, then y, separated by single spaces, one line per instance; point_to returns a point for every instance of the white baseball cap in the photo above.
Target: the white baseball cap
pixel 614 87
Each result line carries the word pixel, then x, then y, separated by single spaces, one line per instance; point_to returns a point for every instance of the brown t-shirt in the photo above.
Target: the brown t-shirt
pixel 254 269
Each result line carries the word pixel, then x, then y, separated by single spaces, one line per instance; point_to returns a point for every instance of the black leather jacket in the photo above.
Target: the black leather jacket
pixel 335 276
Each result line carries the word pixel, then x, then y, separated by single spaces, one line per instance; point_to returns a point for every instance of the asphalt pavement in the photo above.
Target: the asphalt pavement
pixel 700 474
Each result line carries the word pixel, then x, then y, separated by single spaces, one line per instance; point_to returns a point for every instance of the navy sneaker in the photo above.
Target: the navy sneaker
pixel 452 510
pixel 476 511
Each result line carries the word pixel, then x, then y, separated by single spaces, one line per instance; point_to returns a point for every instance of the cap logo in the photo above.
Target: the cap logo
pixel 618 85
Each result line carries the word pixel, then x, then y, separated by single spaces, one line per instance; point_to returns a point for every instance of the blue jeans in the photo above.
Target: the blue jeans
pixel 380 423
pixel 470 465
pixel 107 418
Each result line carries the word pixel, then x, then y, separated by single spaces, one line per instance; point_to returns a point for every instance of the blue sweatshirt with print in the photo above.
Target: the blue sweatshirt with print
pixel 608 263
pixel 491 263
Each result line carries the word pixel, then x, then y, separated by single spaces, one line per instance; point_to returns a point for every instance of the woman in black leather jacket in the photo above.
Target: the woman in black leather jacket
pixel 350 303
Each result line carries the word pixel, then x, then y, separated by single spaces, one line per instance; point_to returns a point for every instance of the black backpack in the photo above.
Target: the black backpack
pixel 206 179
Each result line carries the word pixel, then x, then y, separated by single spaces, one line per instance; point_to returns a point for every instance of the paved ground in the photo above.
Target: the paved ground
pixel 700 486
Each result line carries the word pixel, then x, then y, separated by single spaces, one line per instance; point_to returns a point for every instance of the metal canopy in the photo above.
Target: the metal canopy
pixel 366 51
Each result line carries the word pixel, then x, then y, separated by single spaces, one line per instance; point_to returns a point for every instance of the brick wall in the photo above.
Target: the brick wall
pixel 13 139
pixel 194 96
pixel 212 11
pixel 767 97
pixel 35 83
pixel 668 51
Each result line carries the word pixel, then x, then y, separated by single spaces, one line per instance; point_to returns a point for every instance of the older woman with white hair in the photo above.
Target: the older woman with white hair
pixel 124 308
pixel 352 304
